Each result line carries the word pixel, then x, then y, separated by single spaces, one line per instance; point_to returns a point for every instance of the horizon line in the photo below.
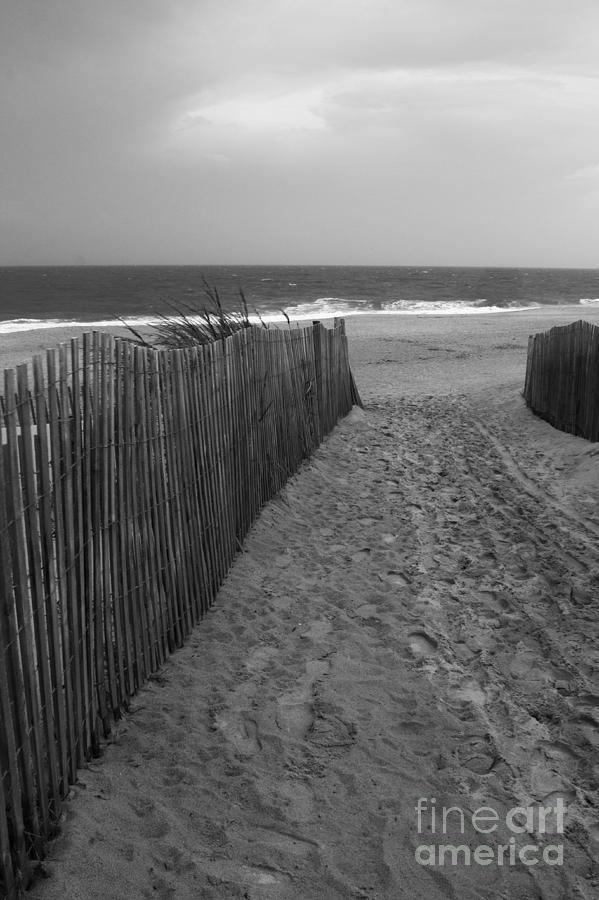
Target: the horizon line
pixel 264 265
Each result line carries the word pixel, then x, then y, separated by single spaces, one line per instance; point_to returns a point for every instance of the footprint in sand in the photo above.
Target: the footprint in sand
pixel 494 601
pixel 225 873
pixel 472 692
pixel 477 755
pixel 549 785
pixel 294 715
pixel 142 806
pixel 241 731
pixel 317 630
pixel 289 843
pixel 298 798
pixel 422 644
pixel 368 611
pixel 151 824
pixel 330 732
pixel 558 751
pixel 589 726
pixel 532 674
pixel 566 796
pixel 594 831
pixel 295 712
pixel 361 555
pixel 259 658
pixel 589 700
pixel 397 578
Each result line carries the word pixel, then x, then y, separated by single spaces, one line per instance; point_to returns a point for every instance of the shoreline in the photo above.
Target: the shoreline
pixel 19 347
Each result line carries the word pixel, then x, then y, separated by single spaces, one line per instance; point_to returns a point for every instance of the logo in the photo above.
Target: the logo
pixel 521 822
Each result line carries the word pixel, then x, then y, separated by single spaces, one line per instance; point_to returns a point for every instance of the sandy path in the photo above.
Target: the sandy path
pixel 394 630
pixel 413 617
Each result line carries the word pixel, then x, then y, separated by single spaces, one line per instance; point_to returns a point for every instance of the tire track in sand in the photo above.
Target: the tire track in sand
pixel 519 606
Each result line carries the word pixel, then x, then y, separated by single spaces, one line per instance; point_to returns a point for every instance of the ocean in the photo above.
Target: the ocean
pixel 50 296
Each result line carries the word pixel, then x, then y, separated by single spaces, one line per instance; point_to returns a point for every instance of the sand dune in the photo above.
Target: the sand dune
pixel 415 616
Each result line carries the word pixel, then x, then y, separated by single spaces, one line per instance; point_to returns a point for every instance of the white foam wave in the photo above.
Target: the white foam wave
pixel 328 307
pixel 588 301
pixel 10 326
pixel 323 308
pixel 451 308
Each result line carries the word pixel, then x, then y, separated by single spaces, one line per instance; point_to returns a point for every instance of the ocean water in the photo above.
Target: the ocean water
pixel 34 297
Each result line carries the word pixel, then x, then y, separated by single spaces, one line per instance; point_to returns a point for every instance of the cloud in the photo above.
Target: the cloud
pixel 157 126
pixel 294 110
pixel 467 102
pixel 588 175
pixel 307 36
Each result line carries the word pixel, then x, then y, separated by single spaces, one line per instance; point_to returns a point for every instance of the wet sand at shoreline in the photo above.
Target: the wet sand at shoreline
pixel 415 616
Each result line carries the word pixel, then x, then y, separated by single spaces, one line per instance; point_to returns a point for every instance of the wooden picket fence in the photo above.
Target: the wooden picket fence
pixel 128 480
pixel 562 378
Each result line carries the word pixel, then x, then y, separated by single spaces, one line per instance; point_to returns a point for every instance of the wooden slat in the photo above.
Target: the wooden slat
pixel 174 499
pixel 210 465
pixel 122 556
pixel 242 389
pixel 81 660
pixel 34 771
pixel 81 422
pixel 60 498
pixel 213 397
pixel 40 646
pixel 207 537
pixel 146 525
pixel 93 419
pixel 52 582
pixel 85 482
pixel 194 506
pixel 160 485
pixel 15 740
pixel 223 430
pixel 104 418
pixel 134 550
pixel 8 885
pixel 113 620
pixel 157 563
pixel 317 337
pixel 182 475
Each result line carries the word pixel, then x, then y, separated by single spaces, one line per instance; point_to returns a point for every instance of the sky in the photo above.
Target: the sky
pixel 346 132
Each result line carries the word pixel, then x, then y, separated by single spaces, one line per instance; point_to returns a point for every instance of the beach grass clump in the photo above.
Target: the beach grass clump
pixel 189 326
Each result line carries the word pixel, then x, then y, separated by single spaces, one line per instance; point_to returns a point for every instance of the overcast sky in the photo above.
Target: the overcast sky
pixel 437 132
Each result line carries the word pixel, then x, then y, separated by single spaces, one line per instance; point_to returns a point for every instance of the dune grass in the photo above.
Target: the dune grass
pixel 189 326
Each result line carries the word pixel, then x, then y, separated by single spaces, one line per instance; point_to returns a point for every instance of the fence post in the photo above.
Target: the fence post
pixel 317 339
pixel 355 398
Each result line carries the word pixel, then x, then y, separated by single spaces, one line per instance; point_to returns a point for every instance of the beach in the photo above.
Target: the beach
pixel 410 628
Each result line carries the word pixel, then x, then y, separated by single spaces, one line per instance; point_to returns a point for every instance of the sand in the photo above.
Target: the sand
pixel 413 617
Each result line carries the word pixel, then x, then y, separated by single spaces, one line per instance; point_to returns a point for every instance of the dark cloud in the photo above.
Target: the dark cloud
pixel 289 129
